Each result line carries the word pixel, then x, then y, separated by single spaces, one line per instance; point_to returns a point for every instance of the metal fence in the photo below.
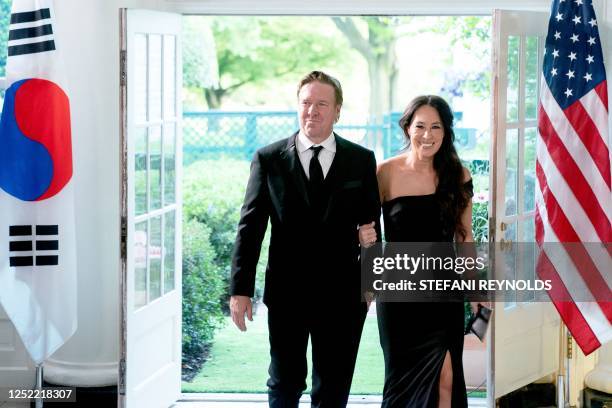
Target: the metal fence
pixel 232 134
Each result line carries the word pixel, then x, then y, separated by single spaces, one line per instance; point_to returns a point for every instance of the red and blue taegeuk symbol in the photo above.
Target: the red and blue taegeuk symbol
pixel 35 140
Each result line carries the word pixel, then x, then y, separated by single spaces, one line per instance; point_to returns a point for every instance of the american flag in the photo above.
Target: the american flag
pixel 574 198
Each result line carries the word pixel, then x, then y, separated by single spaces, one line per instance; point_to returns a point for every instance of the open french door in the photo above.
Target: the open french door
pixel 150 365
pixel 525 334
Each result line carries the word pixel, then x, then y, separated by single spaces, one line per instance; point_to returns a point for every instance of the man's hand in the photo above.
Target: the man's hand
pixel 239 305
pixel 369 297
pixel 367 235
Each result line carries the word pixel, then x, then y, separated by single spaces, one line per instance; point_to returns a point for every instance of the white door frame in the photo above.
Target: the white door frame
pixel 147 316
pixel 521 325
pixel 364 7
pixel 353 7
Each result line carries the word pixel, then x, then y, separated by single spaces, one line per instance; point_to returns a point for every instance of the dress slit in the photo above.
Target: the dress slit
pixel 452 374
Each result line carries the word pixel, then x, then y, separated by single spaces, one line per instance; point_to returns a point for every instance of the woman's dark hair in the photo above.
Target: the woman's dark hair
pixel 453 197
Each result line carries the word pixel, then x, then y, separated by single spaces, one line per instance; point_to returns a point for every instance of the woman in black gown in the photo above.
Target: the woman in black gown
pixel 426 196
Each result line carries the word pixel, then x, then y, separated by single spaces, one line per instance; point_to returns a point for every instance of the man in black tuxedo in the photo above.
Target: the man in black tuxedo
pixel 316 188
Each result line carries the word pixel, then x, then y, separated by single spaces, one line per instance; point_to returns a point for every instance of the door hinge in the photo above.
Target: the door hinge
pixel 570 345
pixel 123 237
pixel 123 67
pixel 121 385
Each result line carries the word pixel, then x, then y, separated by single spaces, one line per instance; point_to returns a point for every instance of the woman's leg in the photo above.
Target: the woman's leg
pixel 446 383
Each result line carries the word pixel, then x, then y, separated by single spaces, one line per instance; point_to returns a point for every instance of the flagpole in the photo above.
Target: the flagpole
pixel 568 357
pixel 39 381
pixel 563 374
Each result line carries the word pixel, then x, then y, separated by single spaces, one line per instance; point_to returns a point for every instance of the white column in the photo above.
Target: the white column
pixel 89 35
pixel 89 32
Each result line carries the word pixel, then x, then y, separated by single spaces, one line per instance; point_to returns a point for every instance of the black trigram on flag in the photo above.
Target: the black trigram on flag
pixel 30 32
pixel 22 250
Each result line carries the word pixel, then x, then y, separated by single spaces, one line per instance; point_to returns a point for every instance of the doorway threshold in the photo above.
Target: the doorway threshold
pixel 235 400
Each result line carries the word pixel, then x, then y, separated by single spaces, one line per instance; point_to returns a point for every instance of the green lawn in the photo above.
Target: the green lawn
pixel 239 361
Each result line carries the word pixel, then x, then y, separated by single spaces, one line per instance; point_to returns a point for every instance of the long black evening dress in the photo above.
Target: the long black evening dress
pixel 416 336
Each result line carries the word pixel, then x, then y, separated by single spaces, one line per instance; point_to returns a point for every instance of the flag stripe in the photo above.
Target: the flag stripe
pixel 47 245
pixel 585 266
pixel 539 229
pixel 20 246
pixel 47 230
pixel 602 91
pixel 30 32
pixel 47 260
pixel 567 137
pixel 580 228
pixel 595 315
pixel 571 315
pixel 602 257
pixel 594 106
pixel 577 270
pixel 30 16
pixel 32 48
pixel 18 261
pixel 20 230
pixel 601 325
pixel 574 178
pixel 25 41
pixel 589 134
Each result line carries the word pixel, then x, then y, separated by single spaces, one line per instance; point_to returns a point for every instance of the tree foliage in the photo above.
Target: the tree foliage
pixel 5 17
pixel 473 34
pixel 377 42
pixel 255 50
pixel 375 37
pixel 199 53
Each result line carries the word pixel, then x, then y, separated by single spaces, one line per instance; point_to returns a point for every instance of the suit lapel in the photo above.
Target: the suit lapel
pixel 294 167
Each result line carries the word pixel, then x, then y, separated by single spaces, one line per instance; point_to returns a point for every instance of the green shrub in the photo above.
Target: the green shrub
pixel 480 221
pixel 213 195
pixel 203 290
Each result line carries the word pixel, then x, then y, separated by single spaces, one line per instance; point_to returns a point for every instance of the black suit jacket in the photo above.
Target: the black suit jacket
pixel 307 255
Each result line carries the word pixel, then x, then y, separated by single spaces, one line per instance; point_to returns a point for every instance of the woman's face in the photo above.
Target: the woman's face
pixel 426 132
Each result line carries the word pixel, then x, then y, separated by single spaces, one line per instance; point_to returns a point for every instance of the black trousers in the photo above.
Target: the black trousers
pixel 334 331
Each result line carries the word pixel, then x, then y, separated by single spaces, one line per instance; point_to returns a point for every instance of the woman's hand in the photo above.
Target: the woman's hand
pixel 474 306
pixel 367 235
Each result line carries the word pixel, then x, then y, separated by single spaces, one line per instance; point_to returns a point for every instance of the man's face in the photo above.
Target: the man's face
pixel 317 110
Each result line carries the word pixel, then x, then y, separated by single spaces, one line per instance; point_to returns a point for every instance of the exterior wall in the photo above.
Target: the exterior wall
pixel 89 35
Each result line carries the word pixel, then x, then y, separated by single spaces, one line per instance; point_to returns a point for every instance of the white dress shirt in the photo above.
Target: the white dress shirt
pixel 326 155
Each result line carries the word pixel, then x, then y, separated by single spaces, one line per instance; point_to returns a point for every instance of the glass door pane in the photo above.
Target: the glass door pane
pixel 155 161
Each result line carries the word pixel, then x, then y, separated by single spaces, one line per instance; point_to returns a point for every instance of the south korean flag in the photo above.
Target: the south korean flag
pixel 37 231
